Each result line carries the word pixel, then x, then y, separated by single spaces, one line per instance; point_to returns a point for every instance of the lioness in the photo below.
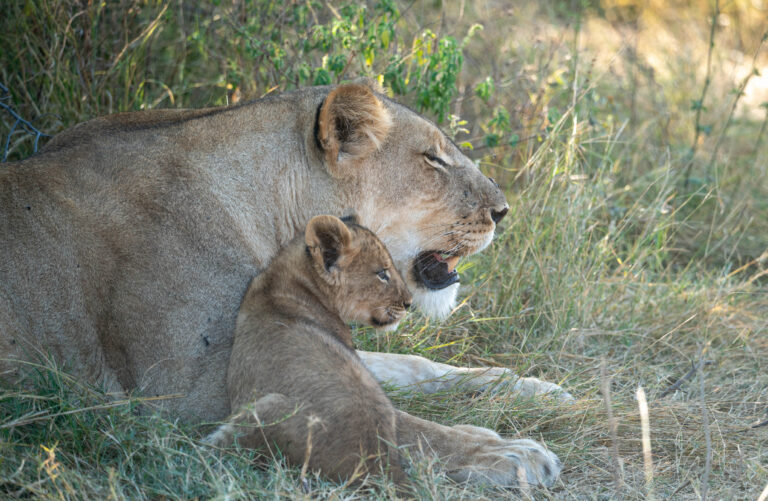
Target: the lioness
pixel 296 380
pixel 128 242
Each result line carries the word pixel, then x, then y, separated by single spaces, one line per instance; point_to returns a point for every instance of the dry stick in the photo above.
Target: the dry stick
pixel 707 434
pixel 642 404
pixel 613 428
pixel 764 494
pixel 688 375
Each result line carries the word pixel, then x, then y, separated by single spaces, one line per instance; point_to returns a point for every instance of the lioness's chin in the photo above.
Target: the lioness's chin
pixel 436 303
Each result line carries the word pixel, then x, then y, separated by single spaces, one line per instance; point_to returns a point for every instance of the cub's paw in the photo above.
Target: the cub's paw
pixel 221 437
pixel 504 463
pixel 527 387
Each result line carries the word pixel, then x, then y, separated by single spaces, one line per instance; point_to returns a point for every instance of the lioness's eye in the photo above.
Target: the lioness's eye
pixel 435 161
pixel 383 276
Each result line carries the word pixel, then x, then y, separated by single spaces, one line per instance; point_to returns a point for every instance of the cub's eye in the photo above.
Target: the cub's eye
pixel 383 276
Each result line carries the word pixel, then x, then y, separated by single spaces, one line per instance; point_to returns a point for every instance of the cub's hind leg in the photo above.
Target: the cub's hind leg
pixel 337 420
pixel 478 455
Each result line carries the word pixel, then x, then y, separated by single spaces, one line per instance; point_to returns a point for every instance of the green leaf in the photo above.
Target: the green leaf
pixel 492 140
pixel 485 89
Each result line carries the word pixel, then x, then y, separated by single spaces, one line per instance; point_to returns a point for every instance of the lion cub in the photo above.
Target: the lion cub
pixel 294 379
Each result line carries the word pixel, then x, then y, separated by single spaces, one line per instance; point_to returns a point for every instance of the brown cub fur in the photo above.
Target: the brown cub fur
pixel 294 379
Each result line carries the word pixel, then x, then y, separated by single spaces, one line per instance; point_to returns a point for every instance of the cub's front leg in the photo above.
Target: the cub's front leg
pixel 420 374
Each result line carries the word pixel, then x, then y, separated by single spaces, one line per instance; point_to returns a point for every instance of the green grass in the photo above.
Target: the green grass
pixel 607 258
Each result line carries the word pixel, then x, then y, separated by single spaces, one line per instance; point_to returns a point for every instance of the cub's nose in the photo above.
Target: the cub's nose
pixel 498 215
pixel 407 305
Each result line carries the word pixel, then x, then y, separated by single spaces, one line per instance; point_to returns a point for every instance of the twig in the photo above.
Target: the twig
pixel 613 427
pixel 700 103
pixel 679 488
pixel 760 424
pixel 758 141
pixel 642 405
pixel 28 127
pixel 735 103
pixel 688 375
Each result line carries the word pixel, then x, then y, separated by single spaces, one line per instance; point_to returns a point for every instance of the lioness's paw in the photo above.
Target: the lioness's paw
pixel 506 380
pixel 507 463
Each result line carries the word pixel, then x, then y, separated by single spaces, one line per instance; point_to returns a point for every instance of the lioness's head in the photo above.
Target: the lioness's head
pixel 361 279
pixel 410 184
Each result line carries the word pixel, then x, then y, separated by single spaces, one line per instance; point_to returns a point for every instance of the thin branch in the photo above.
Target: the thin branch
pixel 736 99
pixel 688 375
pixel 5 95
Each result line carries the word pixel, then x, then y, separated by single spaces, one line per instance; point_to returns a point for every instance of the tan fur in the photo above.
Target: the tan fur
pixel 129 240
pixel 293 346
pixel 296 383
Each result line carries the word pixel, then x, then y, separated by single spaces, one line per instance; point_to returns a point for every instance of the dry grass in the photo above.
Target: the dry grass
pixel 608 274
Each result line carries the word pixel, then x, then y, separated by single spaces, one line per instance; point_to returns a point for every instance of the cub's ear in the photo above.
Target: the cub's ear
pixel 327 238
pixel 351 125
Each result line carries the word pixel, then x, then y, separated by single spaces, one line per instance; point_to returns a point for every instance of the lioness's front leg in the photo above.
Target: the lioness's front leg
pixel 421 374
pixel 478 455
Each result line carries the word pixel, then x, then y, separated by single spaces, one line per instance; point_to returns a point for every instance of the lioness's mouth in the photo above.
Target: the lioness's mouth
pixel 436 270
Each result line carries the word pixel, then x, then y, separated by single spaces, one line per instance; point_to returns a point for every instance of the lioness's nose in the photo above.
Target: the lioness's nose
pixel 498 215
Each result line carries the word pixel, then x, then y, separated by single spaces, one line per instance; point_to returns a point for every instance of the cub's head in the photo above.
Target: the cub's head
pixel 410 184
pixel 357 272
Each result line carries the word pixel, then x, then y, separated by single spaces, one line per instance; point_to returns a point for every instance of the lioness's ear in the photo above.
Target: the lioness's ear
pixel 369 82
pixel 326 237
pixel 351 125
pixel 350 217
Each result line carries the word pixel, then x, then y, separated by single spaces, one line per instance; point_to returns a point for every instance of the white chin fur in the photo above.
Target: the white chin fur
pixel 436 303
pixel 487 241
